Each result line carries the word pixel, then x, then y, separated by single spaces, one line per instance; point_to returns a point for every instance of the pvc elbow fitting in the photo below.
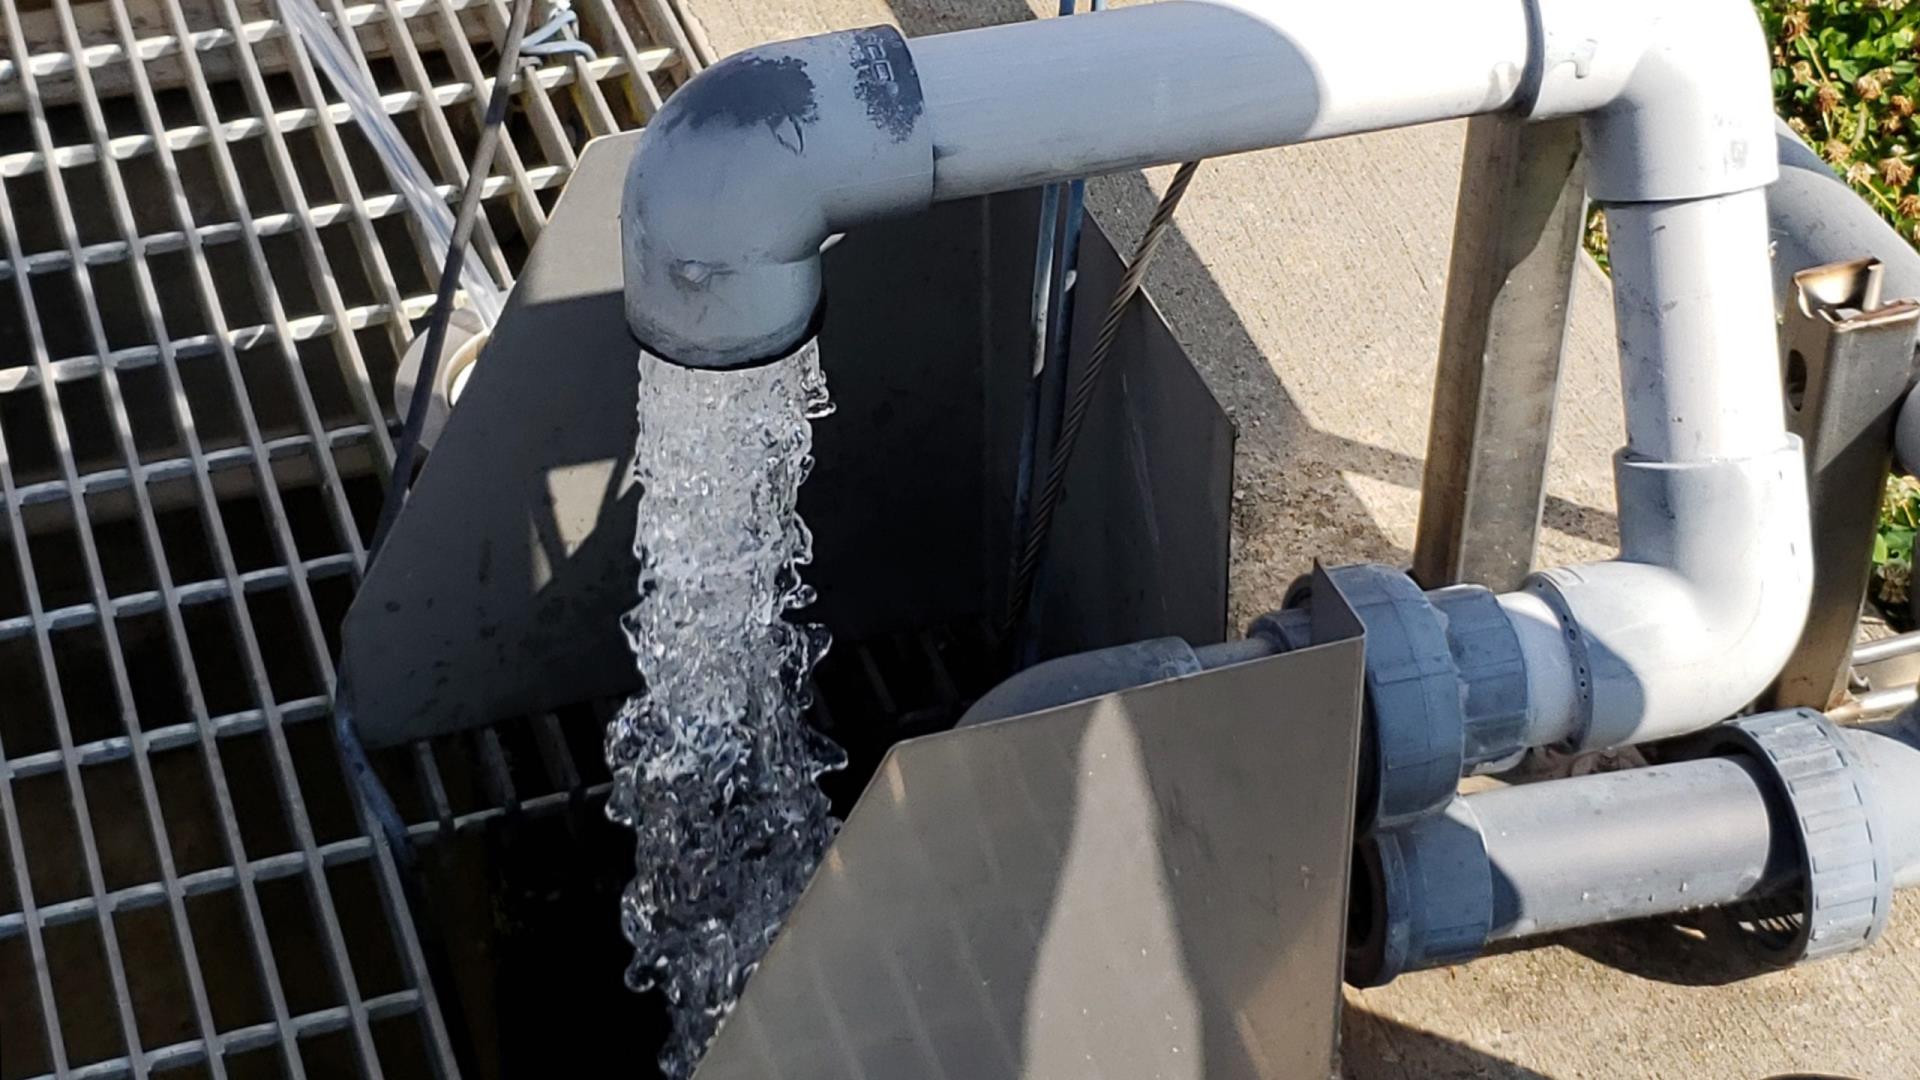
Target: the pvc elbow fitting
pixel 743 173
pixel 1676 98
pixel 1698 614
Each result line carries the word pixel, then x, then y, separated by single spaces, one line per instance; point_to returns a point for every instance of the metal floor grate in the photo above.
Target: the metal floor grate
pixel 205 287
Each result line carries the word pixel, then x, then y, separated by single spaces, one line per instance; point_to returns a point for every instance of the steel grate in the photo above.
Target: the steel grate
pixel 205 287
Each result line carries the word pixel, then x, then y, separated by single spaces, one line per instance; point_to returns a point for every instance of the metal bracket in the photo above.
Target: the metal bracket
pixel 1847 360
pixel 1516 239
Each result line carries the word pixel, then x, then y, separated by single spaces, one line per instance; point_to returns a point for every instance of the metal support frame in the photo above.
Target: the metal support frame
pixel 1516 239
pixel 1847 360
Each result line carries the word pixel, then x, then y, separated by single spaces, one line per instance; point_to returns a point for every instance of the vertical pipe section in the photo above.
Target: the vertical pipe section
pixel 1704 604
pixel 1693 306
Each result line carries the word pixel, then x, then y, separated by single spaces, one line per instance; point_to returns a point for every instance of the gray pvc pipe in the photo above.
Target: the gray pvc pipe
pixel 1067 679
pixel 1625 845
pixel 1887 751
pixel 1520 861
pixel 1815 219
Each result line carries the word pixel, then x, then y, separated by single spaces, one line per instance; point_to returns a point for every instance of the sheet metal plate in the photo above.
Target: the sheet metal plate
pixel 1149 884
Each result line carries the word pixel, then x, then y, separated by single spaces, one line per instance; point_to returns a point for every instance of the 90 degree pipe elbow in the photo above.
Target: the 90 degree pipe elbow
pixel 1676 99
pixel 744 172
pixel 1694 619
pixel 756 160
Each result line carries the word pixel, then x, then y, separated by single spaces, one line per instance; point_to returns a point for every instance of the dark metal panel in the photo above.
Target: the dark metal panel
pixel 1847 361
pixel 1149 884
pixel 517 533
pixel 1140 541
pixel 501 586
pixel 1516 239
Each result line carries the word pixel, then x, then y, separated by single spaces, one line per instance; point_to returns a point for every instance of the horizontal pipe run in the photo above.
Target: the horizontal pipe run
pixel 753 163
pixel 1781 807
pixel 1630 861
pixel 1183 80
pixel 1501 865
pixel 1886 648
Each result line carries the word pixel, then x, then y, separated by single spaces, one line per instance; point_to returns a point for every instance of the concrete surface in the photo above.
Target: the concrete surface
pixel 1307 285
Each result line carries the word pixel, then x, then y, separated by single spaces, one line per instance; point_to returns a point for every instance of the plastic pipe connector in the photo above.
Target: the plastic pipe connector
pixel 1676 98
pixel 1783 807
pixel 744 172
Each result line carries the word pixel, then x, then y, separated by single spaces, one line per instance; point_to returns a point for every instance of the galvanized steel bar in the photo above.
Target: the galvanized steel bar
pixel 1847 361
pixel 1516 238
pixel 28 162
pixel 29 915
pixel 526 207
pixel 97 54
pixel 290 864
pixel 445 149
pixel 1872 652
pixel 320 275
pixel 96 580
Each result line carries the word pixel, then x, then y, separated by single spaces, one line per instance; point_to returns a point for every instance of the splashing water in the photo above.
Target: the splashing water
pixel 714 764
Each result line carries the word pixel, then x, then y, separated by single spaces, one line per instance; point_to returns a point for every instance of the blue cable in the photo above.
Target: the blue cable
pixel 1047 389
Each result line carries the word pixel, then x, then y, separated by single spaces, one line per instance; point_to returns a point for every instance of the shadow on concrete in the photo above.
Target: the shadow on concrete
pixel 1373 1046
pixel 1696 949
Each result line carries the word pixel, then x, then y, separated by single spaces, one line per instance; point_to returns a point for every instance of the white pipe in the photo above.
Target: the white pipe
pixel 1693 308
pixel 1553 690
pixel 1020 104
pixel 1675 96
pixel 754 162
pixel 1705 603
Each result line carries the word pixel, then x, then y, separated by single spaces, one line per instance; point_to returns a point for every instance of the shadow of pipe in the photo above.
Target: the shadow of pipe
pixel 1373 1046
pixel 1696 949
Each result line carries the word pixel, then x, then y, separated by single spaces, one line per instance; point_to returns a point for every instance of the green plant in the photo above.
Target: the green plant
pixel 1844 76
pixel 1893 545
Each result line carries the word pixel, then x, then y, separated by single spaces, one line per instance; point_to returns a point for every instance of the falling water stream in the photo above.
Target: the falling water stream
pixel 714 763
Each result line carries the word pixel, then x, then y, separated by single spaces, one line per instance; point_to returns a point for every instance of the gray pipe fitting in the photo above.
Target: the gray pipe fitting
pixel 742 175
pixel 1067 679
pixel 1777 812
pixel 1080 676
pixel 1834 824
pixel 1446 685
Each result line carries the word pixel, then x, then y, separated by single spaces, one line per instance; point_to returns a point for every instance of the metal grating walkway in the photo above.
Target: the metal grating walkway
pixel 205 286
